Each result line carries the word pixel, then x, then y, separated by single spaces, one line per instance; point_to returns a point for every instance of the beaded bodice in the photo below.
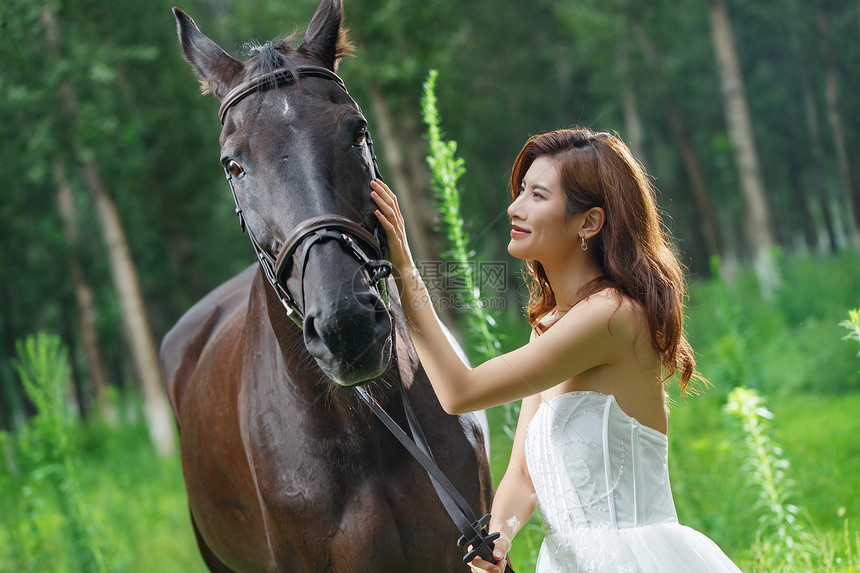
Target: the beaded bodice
pixel 593 465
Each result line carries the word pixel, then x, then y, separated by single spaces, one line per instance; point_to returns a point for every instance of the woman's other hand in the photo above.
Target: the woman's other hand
pixel 500 552
pixel 392 222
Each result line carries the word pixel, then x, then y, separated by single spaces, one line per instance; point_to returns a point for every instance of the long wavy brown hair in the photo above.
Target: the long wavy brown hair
pixel 633 248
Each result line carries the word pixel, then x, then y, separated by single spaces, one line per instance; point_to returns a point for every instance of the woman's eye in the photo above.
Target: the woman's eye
pixel 537 195
pixel 234 169
pixel 359 136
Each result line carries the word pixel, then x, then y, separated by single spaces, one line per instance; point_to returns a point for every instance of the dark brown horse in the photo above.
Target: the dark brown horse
pixel 285 468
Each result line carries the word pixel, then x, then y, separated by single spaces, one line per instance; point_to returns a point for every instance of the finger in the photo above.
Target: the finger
pixel 383 220
pixel 386 207
pixel 479 564
pixel 390 212
pixel 379 183
pixel 389 227
pixel 379 198
pixel 501 546
pixel 387 204
pixel 382 190
pixel 385 192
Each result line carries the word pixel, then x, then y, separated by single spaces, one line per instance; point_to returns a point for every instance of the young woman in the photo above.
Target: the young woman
pixel 606 311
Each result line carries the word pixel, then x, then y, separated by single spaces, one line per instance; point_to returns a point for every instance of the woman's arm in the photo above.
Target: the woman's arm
pixel 578 341
pixel 515 499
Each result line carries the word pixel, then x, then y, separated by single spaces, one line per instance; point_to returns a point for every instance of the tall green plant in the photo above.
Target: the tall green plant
pixel 853 326
pixel 446 169
pixel 16 554
pixel 781 538
pixel 42 364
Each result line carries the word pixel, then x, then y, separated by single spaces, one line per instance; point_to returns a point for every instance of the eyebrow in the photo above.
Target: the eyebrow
pixel 536 186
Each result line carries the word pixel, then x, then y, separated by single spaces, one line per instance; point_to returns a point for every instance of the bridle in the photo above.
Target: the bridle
pixel 358 241
pixel 353 237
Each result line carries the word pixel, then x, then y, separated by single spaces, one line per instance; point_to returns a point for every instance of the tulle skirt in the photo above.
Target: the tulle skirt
pixel 658 548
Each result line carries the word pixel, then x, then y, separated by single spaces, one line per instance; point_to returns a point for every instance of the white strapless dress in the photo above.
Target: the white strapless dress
pixel 602 483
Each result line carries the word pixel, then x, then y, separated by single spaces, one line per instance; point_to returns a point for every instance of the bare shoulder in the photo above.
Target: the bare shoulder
pixel 622 316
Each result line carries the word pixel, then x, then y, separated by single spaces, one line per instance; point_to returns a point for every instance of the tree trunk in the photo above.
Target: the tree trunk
pixel 632 119
pixel 710 226
pixel 135 323
pixel 759 228
pixel 801 197
pixel 397 162
pixel 181 253
pixel 12 415
pixel 812 127
pixel 831 92
pixel 83 295
pixel 406 166
pixel 858 15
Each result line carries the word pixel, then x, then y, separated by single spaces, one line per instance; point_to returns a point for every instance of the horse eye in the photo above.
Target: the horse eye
pixel 234 169
pixel 360 135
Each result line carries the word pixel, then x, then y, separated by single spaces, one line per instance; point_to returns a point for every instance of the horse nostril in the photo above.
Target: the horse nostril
pixel 311 335
pixel 374 303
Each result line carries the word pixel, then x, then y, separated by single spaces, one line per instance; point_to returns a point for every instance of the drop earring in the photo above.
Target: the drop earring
pixel 583 245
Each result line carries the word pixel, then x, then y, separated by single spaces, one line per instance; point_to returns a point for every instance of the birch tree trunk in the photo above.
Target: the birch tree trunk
pixel 701 196
pixel 759 228
pixel 834 115
pixel 135 323
pixel 134 320
pixel 86 314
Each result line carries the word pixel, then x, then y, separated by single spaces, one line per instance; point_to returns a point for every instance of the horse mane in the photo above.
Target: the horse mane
pixel 271 56
pixel 276 54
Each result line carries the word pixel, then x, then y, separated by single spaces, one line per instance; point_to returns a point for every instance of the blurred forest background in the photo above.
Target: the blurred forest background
pixel 117 217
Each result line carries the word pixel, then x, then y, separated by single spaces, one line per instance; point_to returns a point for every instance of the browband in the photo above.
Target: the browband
pixel 277 77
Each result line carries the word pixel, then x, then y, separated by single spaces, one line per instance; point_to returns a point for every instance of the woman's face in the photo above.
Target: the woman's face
pixel 539 228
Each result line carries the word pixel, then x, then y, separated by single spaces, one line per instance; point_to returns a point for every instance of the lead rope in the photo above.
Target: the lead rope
pixel 474 531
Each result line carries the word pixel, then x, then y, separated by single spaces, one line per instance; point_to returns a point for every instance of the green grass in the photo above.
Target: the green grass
pixel 143 500
pixel 791 345
pixel 136 500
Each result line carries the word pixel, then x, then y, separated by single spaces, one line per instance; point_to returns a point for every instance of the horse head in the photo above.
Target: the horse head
pixel 295 148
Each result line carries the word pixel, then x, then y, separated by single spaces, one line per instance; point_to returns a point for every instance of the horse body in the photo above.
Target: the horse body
pixel 286 470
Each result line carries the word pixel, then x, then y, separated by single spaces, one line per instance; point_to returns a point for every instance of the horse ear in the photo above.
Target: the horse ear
pixel 325 39
pixel 213 66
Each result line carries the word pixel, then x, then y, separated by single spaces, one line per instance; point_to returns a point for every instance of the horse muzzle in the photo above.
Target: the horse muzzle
pixel 340 273
pixel 350 338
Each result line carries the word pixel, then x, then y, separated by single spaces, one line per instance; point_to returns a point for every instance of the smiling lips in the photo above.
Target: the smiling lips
pixel 517 232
